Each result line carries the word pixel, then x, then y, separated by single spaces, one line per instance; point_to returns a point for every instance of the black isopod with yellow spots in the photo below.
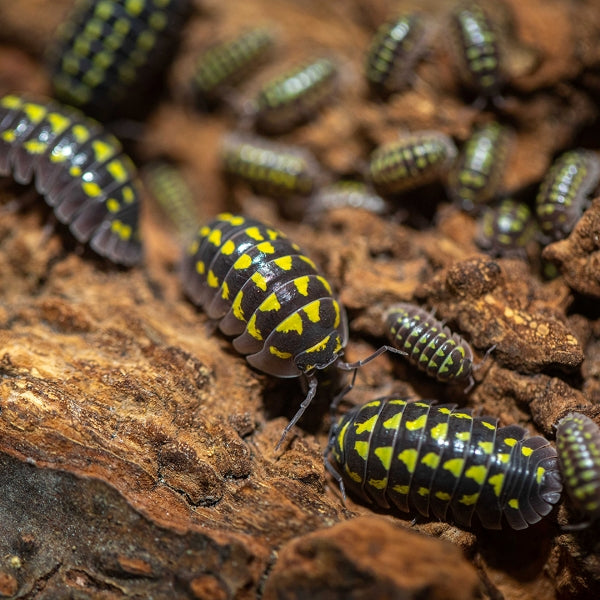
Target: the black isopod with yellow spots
pixel 578 445
pixel 429 344
pixel 272 298
pixel 79 168
pixel 444 462
pixel 110 56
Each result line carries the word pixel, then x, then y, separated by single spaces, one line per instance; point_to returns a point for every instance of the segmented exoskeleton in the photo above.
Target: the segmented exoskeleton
pixel 444 462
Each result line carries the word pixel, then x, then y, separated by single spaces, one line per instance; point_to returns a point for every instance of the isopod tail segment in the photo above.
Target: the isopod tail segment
pixel 312 385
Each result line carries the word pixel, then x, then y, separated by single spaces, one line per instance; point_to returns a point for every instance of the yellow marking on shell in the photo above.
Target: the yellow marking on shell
pixel 35 146
pixel 35 112
pixel 423 491
pixel 284 262
pixel 455 466
pixel 393 422
pixel 103 151
pixel 215 237
pixel 539 475
pixel 325 284
pixel 254 233
pixel 422 404
pixel 362 449
pixel 510 442
pixel 409 458
pixel 497 481
pixel 354 476
pixel 80 133
pixel 117 169
pixel 91 189
pixel 514 503
pixel 463 436
pixel 418 423
pixel 367 426
pixel 243 262
pixel 308 261
pixel 279 353
pixel 11 101
pixel 526 451
pixel 338 345
pixel 121 229
pixel 291 323
pixel 444 410
pixel 459 415
pixel 9 136
pixel 75 171
pixel 259 281
pixel 113 205
pixel 488 425
pixel 477 473
pixel 236 307
pixel 204 231
pixel 270 303
pixel 444 496
pixel 274 234
pixel 431 459
pixel 252 329
pixel 336 308
pixel 379 484
pixel 200 267
pixel 371 404
pixel 265 247
pixel 58 122
pixel 469 499
pixel 301 284
pixel 128 194
pixel 228 248
pixel 487 447
pixel 440 431
pixel 225 291
pixel 319 345
pixel 212 279
pixel 401 489
pixel 385 455
pixel 341 436
pixel 312 311
pixel 398 402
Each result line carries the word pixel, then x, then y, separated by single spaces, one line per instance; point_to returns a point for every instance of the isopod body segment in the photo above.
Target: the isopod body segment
pixel 80 170
pixel 430 345
pixel 578 446
pixel 564 192
pixel 411 161
pixel 443 462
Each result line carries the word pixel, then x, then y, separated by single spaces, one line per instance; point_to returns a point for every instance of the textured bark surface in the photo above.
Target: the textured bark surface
pixel 137 448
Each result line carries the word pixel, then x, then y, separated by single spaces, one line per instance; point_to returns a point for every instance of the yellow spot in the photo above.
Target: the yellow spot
pixel 319 345
pixel 265 248
pixel 270 303
pixel 228 248
pixel 354 476
pixel 385 455
pixel 35 146
pixel 372 404
pixel 236 307
pixel 121 229
pixel 200 268
pixel 11 101
pixel 291 323
pixel 488 425
pixel 459 415
pixel 525 451
pixel 215 237
pixel 379 484
pixel 341 436
pixel 431 459
pixel 80 133
pixel 367 426
pixel 301 284
pixel 393 422
pixel 259 281
pixel 418 423
pixel 477 473
pixel 423 491
pixel 75 171
pixel 496 481
pixel 279 353
pixel 469 499
pixel 35 112
pixel 409 458
pixel 284 262
pixel 113 205
pixel 444 496
pixel 243 262
pixel 514 503
pixel 312 311
pixel 308 261
pixel 463 436
pixel 251 328
pixel 487 447
pixel 455 466
pixel 212 279
pixel 510 442
pixel 58 122
pixel 539 475
pixel 102 150
pixel 401 489
pixel 9 136
pixel 325 284
pixel 128 194
pixel 91 189
pixel 440 431
pixel 225 291
pixel 254 233
pixel 362 449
